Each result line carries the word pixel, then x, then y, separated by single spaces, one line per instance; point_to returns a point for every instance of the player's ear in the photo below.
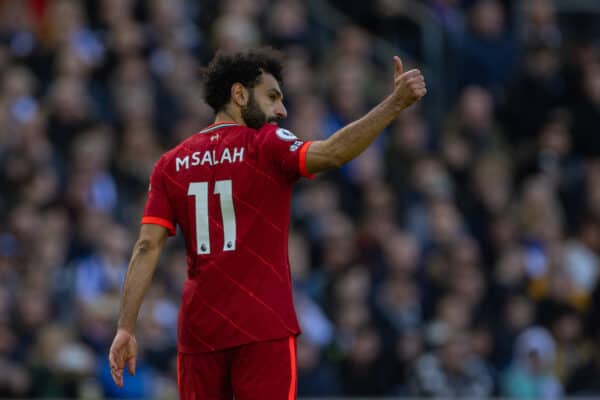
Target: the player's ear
pixel 239 94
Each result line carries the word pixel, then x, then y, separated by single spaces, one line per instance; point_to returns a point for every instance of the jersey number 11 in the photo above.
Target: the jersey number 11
pixel 200 192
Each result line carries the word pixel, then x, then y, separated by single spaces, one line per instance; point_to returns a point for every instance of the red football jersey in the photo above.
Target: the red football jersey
pixel 229 189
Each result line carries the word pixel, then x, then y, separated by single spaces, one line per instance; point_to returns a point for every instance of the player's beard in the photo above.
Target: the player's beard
pixel 252 114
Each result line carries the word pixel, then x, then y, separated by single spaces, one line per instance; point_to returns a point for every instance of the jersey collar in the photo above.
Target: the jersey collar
pixel 218 125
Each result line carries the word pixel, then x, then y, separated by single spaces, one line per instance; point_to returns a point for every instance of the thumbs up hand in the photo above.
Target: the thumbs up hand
pixel 409 86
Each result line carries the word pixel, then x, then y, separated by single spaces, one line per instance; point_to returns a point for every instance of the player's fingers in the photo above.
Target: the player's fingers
pixel 131 365
pixel 117 364
pixel 398 65
pixel 419 76
pixel 415 80
pixel 409 81
pixel 418 85
pixel 410 74
pixel 116 358
pixel 112 360
pixel 117 376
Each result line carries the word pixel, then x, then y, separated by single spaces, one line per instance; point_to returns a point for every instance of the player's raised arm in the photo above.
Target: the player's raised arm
pixel 354 138
pixel 144 259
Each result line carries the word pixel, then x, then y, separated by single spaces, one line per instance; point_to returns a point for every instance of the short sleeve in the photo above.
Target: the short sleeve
pixel 285 152
pixel 158 210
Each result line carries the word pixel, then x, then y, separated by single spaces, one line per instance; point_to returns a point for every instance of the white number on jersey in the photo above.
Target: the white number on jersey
pixel 200 192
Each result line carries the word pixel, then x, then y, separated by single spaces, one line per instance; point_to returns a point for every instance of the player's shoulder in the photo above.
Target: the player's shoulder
pixel 272 132
pixel 169 156
pixel 171 153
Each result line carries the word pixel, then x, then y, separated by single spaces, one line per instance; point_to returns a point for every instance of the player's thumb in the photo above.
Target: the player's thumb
pixel 131 365
pixel 399 68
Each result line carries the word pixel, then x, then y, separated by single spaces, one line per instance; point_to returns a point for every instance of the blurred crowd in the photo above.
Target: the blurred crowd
pixel 455 258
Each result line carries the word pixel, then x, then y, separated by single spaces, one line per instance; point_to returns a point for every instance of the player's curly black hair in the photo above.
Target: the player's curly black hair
pixel 244 67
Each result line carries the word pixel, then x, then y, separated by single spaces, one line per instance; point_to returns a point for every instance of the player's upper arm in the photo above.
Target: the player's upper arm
pixel 319 157
pixel 158 209
pixel 152 236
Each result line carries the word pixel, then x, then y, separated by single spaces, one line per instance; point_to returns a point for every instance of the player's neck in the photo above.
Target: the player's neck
pixel 225 116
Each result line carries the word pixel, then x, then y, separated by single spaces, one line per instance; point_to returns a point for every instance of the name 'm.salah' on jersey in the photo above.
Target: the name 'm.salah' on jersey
pixel 229 189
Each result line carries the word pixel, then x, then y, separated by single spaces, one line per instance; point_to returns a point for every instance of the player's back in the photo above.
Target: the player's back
pixel 229 189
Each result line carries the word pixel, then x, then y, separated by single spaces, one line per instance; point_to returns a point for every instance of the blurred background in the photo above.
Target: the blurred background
pixel 457 257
